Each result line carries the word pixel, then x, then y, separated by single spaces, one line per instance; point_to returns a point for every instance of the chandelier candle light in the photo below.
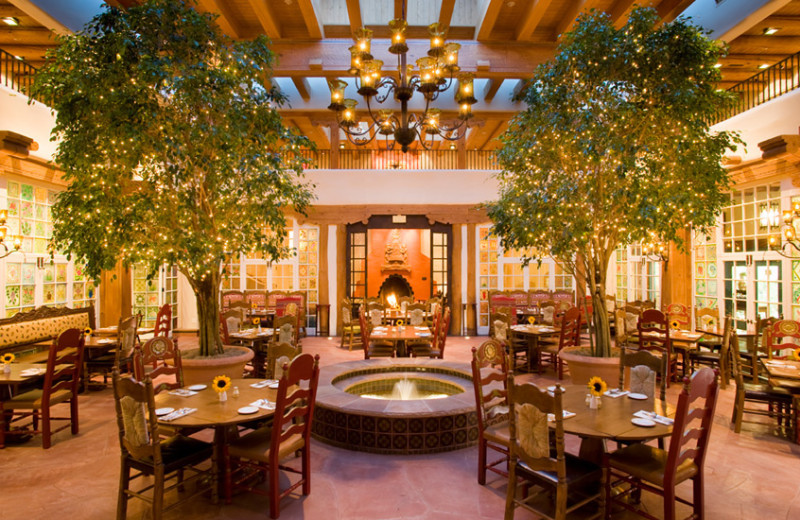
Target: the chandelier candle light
pixel 435 74
pixel 790 220
pixel 17 241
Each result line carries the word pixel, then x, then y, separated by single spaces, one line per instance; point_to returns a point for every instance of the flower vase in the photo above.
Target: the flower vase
pixel 6 368
pixel 223 396
pixel 594 402
pixel 259 328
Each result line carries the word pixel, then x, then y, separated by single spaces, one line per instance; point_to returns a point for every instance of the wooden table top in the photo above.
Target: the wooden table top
pixel 211 412
pixel 782 368
pixel 535 330
pixel 112 331
pixel 613 419
pixel 16 377
pixel 404 333
pixel 91 342
pixel 253 334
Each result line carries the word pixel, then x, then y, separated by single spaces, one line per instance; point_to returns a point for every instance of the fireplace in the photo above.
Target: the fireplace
pixel 395 284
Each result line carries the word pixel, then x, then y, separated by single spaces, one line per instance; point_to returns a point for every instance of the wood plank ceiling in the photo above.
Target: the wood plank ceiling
pixel 502 42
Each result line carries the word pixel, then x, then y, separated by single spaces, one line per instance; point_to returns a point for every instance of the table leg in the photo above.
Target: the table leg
pixel 592 449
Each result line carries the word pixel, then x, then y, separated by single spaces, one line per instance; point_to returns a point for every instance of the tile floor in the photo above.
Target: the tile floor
pixel 750 475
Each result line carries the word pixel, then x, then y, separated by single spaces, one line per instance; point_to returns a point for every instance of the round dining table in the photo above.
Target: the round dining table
pixel 612 421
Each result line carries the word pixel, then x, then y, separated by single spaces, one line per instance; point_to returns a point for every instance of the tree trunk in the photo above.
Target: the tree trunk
pixel 207 293
pixel 596 270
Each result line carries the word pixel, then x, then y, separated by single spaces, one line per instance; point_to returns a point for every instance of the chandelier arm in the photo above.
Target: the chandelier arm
pixel 360 141
pixel 384 82
pixel 418 130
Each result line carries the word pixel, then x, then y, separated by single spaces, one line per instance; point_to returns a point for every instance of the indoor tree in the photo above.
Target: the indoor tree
pixel 172 148
pixel 614 148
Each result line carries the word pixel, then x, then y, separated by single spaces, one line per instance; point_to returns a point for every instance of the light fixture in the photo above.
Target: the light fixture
pixel 17 241
pixel 434 74
pixel 789 233
pixel 718 65
pixel 10 20
pixel 769 31
pixel 763 66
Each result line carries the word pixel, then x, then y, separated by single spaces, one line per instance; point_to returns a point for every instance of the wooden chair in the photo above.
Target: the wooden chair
pixel 158 358
pixel 678 315
pixel 163 326
pixel 60 386
pixel 263 450
pixel 301 312
pixel 120 357
pixel 621 332
pixel 654 336
pixel 490 376
pixel 275 353
pixel 403 302
pixel 779 400
pixel 719 359
pixel 570 336
pixel 433 305
pixel 645 467
pixel 351 330
pixel 285 330
pixel 373 348
pixel 707 318
pixel 148 454
pixel 434 348
pixel 630 359
pixel 750 364
pixel 564 483
pixel 781 336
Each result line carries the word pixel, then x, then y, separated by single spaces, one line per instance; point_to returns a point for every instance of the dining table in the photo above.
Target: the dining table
pixel 533 333
pixel 784 373
pixel 613 420
pixel 19 374
pixel 257 339
pixel 399 336
pixel 223 416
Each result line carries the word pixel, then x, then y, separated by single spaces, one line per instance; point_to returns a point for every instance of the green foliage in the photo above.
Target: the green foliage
pixel 614 146
pixel 171 144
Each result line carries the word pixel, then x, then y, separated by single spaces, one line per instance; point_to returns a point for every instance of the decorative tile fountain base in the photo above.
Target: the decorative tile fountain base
pixel 391 426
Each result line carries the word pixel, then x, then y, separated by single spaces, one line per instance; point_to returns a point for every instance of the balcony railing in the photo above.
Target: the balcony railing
pixel 764 86
pixel 16 74
pixel 365 159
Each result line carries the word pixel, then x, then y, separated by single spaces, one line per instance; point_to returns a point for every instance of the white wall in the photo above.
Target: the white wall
pixel 34 121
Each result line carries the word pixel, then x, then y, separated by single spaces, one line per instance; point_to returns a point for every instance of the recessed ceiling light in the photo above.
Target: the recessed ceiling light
pixel 717 65
pixel 764 66
pixel 452 146
pixel 769 31
pixel 10 20
pixel 341 146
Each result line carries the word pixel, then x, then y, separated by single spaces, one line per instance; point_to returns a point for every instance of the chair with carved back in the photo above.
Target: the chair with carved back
pixel 569 336
pixel 433 305
pixel 230 322
pixel 160 360
pixel 641 466
pixel 376 313
pixel 679 318
pixel 489 376
pixel 653 331
pixel 373 348
pixel 121 356
pixel 148 453
pixel 163 325
pixel 556 483
pixel 403 302
pixel 779 401
pixel 278 354
pixel 642 380
pixel 563 295
pixel 415 317
pixel 782 339
pixel 228 297
pixel 285 330
pixel 266 450
pixel 351 330
pixel 301 312
pixel 60 386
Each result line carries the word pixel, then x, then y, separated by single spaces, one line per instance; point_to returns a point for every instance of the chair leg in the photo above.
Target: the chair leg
pixel 738 412
pixel 158 493
pixel 698 498
pixel 669 503
pixel 46 439
pixel 73 414
pixel 306 470
pixel 3 428
pixel 481 461
pixel 274 490
pixel 511 492
pixel 122 497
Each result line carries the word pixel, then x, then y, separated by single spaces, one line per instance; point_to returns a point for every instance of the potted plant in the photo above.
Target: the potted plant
pixel 172 148
pixel 614 148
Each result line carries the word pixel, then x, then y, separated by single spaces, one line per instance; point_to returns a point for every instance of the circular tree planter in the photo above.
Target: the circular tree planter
pixel 205 369
pixel 583 366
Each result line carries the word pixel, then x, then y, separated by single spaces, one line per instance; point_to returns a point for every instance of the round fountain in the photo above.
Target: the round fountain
pixel 396 406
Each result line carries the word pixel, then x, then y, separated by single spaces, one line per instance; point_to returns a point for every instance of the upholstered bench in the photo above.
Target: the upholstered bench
pixel 19 332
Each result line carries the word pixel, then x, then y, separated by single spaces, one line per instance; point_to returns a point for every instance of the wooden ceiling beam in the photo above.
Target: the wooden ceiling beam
pixel 313 132
pixel 532 19
pixel 568 22
pixel 265 18
pixel 302 86
pixel 771 44
pixel 491 88
pixel 446 14
pixel 313 22
pixel 40 15
pixel 224 20
pixel 488 16
pixel 493 142
pixel 490 132
pixel 619 12
pixel 733 61
pixel 668 10
pixel 354 13
pixel 780 22
pixel 28 35
pixel 398 9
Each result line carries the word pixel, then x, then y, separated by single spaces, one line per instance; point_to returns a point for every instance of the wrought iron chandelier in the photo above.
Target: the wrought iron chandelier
pixel 435 73
pixel 4 235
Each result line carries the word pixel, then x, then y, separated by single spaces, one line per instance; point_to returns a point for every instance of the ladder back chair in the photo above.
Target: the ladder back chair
pixel 159 358
pixel 490 377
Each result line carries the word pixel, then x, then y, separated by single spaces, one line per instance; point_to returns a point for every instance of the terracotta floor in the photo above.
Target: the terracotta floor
pixel 750 475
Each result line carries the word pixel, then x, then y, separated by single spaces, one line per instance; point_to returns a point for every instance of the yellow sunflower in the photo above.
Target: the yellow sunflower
pixel 256 320
pixel 675 324
pixel 796 354
pixel 399 323
pixel 88 331
pixel 221 383
pixel 531 319
pixel 597 386
pixel 7 358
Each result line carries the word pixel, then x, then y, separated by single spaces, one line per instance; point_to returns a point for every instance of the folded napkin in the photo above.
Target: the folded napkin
pixel 264 383
pixel 566 414
pixel 28 372
pixel 263 404
pixel 177 414
pixel 660 419
pixel 517 327
pixel 378 333
pixel 616 392
pixel 380 328
pixel 104 341
pixel 183 392
pixel 421 328
pixel 546 329
pixel 424 334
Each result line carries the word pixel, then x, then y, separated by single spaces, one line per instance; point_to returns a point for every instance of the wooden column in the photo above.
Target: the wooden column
pixel 115 295
pixel 341 262
pixel 334 146
pixel 676 274
pixel 461 157
pixel 322 259
pixel 472 300
pixel 455 305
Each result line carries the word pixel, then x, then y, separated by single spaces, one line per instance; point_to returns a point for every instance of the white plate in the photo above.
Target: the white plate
pixel 274 385
pixel 638 397
pixel 197 388
pixel 164 411
pixel 247 410
pixel 28 372
pixel 640 421
pixel 552 388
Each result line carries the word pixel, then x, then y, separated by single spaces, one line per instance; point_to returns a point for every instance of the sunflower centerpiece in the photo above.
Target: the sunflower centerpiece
pixel 400 324
pixel 532 320
pixel 257 323
pixel 597 387
pixel 796 354
pixel 7 359
pixel 221 384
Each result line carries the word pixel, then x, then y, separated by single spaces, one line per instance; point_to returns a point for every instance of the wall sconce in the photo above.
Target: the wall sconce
pixel 16 242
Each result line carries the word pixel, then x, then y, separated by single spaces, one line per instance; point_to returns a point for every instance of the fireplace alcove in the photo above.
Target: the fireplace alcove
pixel 395 284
